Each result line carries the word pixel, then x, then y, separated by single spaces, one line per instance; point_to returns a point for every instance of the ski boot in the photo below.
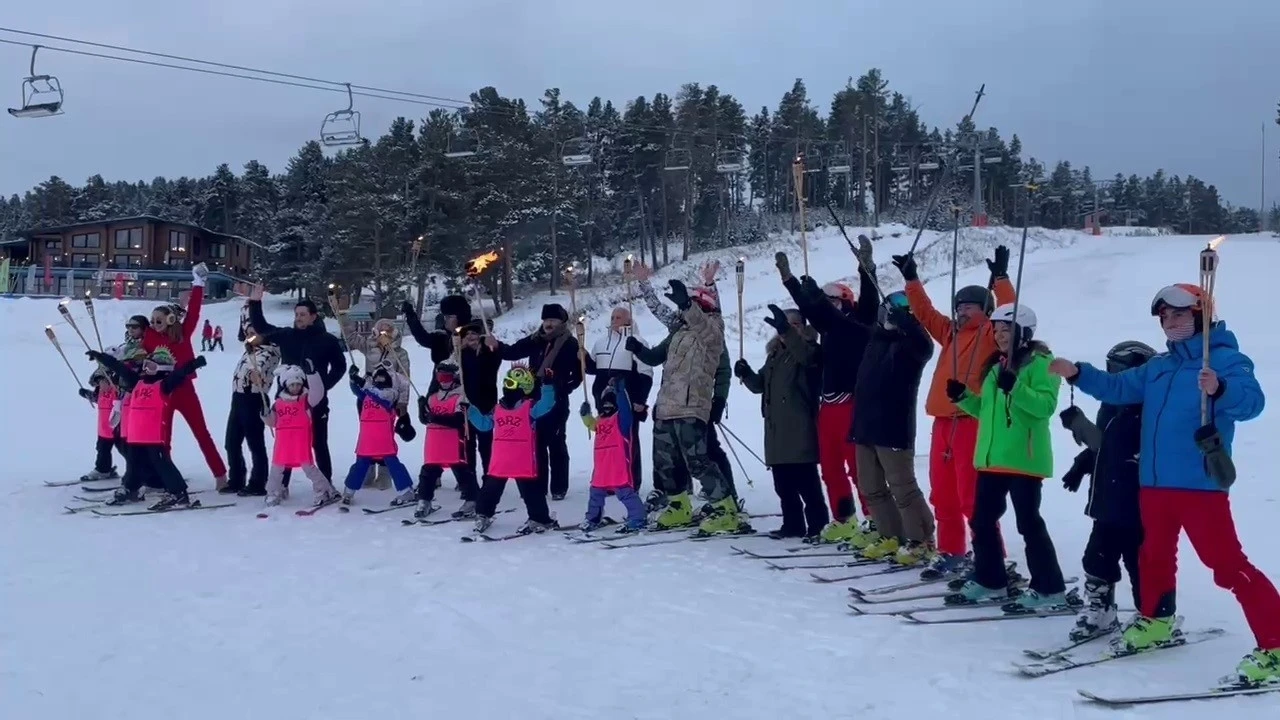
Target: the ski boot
pixel 531 527
pixel 865 537
pixel 1031 601
pixel 325 496
pixel 123 496
pixel 589 526
pixel 632 527
pixel 424 509
pixel 482 525
pixel 838 532
pixel 467 511
pixel 170 501
pixel 408 497
pixel 557 497
pixel 1145 633
pixel 274 500
pixel 945 565
pixel 726 519
pixel 655 501
pixel 94 476
pixel 914 553
pixel 881 550
pixel 678 513
pixel 1259 668
pixel 258 492
pixel 971 593
pixel 784 533
pixel 348 497
pixel 1099 617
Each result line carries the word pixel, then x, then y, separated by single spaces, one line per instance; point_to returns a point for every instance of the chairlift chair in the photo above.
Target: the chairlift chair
pixel 728 162
pixel 841 163
pixel 677 159
pixel 576 152
pixel 41 94
pixel 813 161
pixel 462 144
pixel 342 127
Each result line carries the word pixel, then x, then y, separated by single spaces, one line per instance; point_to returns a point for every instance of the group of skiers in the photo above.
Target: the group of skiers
pixel 838 389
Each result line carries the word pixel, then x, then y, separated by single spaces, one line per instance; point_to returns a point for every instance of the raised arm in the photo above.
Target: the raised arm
pixel 665 315
pixel 935 323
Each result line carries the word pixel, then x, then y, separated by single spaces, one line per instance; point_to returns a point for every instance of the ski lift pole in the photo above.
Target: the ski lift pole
pixel 48 332
pixel 66 315
pixel 93 317
pixel 947 171
pixel 740 271
pixel 797 174
pixel 580 328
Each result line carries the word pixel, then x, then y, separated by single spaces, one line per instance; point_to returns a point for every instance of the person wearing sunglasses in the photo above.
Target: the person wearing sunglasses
pixel 1179 471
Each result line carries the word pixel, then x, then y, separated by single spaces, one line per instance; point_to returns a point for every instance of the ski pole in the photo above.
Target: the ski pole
pixel 955 269
pixel 871 271
pixel 740 270
pixel 737 459
pixel 93 316
pixel 48 332
pixel 1022 258
pixel 947 171
pixel 750 452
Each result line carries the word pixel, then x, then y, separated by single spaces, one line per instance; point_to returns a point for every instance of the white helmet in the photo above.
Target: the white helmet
pixel 1026 318
pixel 290 374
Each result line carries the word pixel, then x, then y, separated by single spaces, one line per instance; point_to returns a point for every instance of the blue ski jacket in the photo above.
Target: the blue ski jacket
pixel 1170 395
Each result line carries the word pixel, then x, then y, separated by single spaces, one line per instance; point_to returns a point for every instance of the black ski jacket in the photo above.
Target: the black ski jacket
pixel 1113 467
pixel 884 413
pixel 312 343
pixel 843 334
pixel 563 369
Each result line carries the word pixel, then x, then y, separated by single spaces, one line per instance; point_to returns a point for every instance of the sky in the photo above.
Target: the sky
pixel 1128 86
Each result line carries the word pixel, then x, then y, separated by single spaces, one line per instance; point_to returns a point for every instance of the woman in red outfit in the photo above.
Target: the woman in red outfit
pixel 167 330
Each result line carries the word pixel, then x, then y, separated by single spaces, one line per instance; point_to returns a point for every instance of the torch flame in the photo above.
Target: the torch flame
pixel 478 264
pixel 1214 243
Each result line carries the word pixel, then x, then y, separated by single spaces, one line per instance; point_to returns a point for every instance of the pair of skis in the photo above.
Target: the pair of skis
pixel 195 505
pixel 927 604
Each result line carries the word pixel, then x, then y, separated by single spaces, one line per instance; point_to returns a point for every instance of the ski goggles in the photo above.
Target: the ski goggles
pixel 445 378
pixel 897 299
pixel 1181 296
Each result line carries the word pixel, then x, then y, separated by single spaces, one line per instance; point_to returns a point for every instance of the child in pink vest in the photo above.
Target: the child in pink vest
pixel 298 391
pixel 379 426
pixel 103 394
pixel 443 414
pixel 612 472
pixel 514 455
pixel 152 388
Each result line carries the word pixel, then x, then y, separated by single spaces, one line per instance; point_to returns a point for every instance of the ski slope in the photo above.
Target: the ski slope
pixel 336 617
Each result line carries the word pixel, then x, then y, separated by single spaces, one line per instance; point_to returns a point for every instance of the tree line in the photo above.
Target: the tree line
pixel 664 176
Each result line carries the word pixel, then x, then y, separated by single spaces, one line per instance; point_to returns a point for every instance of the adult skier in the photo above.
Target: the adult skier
pixel 1178 491
pixel 610 359
pixel 966 340
pixel 844 327
pixel 250 393
pixel 552 354
pixel 1110 458
pixel 306 341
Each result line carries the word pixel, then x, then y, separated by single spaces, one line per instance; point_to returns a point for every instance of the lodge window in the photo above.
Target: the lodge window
pixel 129 239
pixel 52 244
pixel 85 260
pixel 177 241
pixel 128 261
pixel 217 250
pixel 86 240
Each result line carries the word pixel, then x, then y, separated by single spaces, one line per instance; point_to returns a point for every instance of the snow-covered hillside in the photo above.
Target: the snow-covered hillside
pixel 220 615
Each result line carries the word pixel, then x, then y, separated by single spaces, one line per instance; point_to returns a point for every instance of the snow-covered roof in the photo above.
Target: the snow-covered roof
pixel 24 235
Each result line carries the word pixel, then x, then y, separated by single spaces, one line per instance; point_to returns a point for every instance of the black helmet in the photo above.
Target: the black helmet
pixel 1128 355
pixel 977 295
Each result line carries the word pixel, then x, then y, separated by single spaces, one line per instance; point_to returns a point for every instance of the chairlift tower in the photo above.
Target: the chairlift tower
pixel 41 94
pixel 980 146
pixel 341 128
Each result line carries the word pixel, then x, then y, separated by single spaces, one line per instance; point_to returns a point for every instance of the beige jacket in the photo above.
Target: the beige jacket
pixel 390 354
pixel 689 373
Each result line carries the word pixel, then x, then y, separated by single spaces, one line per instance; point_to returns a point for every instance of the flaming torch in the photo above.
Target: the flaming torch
pixel 93 317
pixel 1207 437
pixel 342 320
pixel 797 172
pixel 740 272
pixel 571 279
pixel 475 268
pixel 628 274
pixel 580 329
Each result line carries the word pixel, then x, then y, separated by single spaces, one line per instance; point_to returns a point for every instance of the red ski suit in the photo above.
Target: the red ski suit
pixel 184 399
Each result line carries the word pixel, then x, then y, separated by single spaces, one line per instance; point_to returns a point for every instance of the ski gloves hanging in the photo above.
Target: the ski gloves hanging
pixel 906 265
pixel 779 320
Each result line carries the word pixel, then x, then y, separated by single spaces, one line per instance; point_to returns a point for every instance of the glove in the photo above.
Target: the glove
pixel 354 373
pixel 406 308
pixel 811 289
pixel 906 265
pixel 779 320
pixel 590 421
pixel 956 390
pixel 633 344
pixel 93 355
pixel 1005 380
pixel 1073 477
pixel 86 393
pixel 424 413
pixel 679 295
pixel 866 257
pixel 1070 417
pixel 641 412
pixel 717 410
pixel 999 265
pixel 201 361
pixel 548 376
pixel 308 367
pixel 199 272
pixel 784 265
pixel 404 428
pixel 585 410
pixel 741 368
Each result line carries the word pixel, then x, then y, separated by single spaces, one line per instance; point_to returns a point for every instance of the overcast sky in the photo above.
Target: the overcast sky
pixel 1119 85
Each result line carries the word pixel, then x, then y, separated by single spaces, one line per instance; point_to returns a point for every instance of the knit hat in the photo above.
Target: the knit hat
pixel 555 311
pixel 291 375
pixel 458 306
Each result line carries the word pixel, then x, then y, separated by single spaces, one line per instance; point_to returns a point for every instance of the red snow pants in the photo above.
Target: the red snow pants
pixel 1206 517
pixel 186 402
pixel 836 459
pixel 953 480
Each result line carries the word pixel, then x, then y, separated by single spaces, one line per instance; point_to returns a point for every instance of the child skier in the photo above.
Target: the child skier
pixel 1111 460
pixel 611 474
pixel 443 414
pixel 103 393
pixel 1178 492
pixel 379 426
pixel 513 424
pixel 152 391
pixel 1013 455
pixel 299 391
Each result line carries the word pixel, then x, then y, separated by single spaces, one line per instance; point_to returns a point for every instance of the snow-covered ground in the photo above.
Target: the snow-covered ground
pixel 220 615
